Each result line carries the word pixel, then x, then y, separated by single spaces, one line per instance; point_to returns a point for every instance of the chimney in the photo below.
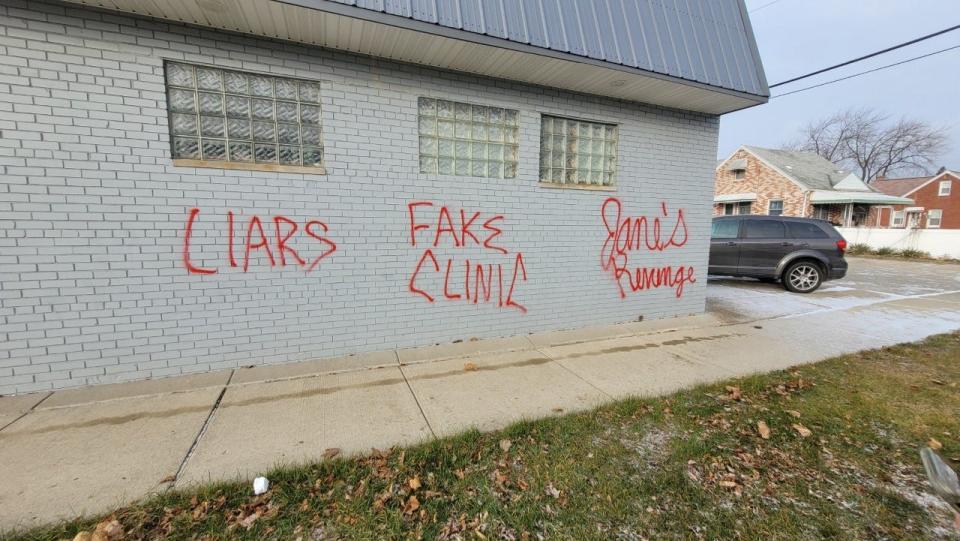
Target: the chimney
pixel 942 169
pixel 881 177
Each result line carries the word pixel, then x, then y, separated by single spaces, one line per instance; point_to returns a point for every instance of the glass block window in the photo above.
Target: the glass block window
pixel 468 140
pixel 231 116
pixel 577 151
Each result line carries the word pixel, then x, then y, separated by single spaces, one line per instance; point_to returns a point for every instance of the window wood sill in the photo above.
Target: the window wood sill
pixel 587 187
pixel 240 166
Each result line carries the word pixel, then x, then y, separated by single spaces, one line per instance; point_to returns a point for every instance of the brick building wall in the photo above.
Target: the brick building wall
pixel 93 285
pixel 762 180
pixel 929 198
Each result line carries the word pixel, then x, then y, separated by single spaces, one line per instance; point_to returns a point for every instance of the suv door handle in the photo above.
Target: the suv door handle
pixel 731 243
pixel 786 244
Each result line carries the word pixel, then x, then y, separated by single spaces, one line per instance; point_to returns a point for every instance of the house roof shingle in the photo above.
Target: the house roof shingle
pixel 806 168
pixel 900 186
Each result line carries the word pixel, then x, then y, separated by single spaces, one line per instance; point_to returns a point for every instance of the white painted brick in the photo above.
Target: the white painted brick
pixel 94 289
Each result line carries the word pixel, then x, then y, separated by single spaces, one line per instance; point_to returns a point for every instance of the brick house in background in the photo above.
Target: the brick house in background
pixel 936 202
pixel 756 180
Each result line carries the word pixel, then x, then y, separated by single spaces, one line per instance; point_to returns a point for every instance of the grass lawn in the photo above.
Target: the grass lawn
pixel 824 451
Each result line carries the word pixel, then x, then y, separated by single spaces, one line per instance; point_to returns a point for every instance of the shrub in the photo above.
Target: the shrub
pixel 859 249
pixel 886 250
pixel 913 253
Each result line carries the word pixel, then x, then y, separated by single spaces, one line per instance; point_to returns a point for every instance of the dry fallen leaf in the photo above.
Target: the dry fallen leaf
pixel 109 529
pixel 414 483
pixel 557 410
pixel 934 444
pixel 763 429
pixel 469 367
pixel 331 452
pixel 794 413
pixel 552 491
pixel 735 392
pixel 169 479
pixel 505 445
pixel 411 506
pixel 250 519
pixel 802 430
pixel 83 536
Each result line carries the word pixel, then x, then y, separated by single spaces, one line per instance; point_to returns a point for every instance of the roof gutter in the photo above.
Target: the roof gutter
pixel 872 198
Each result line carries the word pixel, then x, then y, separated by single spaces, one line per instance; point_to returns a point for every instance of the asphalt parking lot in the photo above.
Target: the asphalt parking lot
pixel 868 282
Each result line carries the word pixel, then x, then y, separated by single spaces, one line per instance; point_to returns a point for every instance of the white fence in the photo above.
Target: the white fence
pixel 936 242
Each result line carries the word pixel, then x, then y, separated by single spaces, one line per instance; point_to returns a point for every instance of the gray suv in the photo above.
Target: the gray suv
pixel 800 252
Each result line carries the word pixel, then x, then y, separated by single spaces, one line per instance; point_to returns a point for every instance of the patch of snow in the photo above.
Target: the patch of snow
pixel 837 288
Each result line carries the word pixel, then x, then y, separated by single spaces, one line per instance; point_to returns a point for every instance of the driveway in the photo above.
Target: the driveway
pixel 84 451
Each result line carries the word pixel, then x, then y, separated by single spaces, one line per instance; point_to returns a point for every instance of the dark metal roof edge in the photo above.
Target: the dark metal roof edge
pixel 754 50
pixel 355 12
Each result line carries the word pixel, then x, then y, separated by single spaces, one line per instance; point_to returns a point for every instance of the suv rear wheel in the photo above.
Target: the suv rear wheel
pixel 803 277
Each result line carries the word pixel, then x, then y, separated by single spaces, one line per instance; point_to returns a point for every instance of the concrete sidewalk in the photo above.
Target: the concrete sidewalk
pixel 88 450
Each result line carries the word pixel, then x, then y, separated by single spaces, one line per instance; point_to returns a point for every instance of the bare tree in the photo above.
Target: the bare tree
pixel 868 142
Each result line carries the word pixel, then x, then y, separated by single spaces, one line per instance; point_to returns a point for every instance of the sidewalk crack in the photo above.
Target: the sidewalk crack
pixel 414 395
pixel 24 414
pixel 202 431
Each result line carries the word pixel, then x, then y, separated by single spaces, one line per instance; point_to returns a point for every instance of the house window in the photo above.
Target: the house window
pixel 897 219
pixel 577 152
pixel 739 174
pixel 821 212
pixel 934 217
pixel 232 119
pixel 468 140
pixel 743 207
pixel 775 208
pixel 944 188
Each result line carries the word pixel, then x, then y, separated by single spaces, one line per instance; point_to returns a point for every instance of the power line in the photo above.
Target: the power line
pixel 871 55
pixel 866 72
pixel 763 6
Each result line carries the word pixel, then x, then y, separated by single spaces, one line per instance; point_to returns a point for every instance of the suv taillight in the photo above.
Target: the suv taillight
pixel 842 246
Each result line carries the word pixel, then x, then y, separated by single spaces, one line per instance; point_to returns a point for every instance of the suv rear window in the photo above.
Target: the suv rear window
pixel 806 230
pixel 764 229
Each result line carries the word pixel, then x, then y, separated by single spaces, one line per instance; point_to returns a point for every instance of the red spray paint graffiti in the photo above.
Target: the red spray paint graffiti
pixel 277 248
pixel 487 283
pixel 626 235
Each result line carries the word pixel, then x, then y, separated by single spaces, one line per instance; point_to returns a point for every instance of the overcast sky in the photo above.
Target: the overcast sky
pixel 800 36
